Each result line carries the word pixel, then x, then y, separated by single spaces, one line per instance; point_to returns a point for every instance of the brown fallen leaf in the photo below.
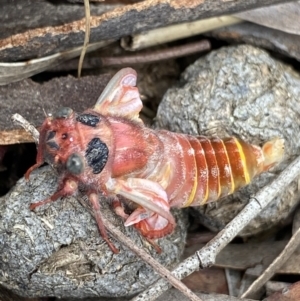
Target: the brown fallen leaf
pixel 210 280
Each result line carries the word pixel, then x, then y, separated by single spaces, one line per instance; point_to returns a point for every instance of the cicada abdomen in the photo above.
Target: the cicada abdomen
pixel 218 167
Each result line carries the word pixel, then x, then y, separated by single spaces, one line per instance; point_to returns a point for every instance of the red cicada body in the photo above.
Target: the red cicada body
pixel 108 149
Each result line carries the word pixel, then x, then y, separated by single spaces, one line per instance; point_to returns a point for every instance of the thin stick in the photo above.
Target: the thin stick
pixel 19 120
pixel 86 34
pixel 160 269
pixel 275 265
pixel 159 55
pixel 207 255
pixel 139 58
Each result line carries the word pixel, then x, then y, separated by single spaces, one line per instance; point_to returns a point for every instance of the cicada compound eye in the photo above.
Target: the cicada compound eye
pixel 75 164
pixel 64 112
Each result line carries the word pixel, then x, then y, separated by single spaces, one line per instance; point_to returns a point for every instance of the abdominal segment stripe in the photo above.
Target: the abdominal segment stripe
pixel 238 164
pixel 201 194
pixel 243 161
pixel 187 193
pixel 221 169
pixel 226 180
pixel 214 189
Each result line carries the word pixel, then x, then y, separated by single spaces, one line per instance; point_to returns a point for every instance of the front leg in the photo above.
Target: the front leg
pixel 66 188
pixel 152 218
pixel 94 200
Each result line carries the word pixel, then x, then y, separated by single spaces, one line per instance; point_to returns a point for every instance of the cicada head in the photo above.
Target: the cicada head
pixel 55 135
pixel 77 145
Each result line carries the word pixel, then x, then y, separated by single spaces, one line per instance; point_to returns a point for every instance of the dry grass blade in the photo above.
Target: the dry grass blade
pixel 86 34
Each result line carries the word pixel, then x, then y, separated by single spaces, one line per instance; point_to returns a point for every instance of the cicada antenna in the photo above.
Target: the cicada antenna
pixel 45 113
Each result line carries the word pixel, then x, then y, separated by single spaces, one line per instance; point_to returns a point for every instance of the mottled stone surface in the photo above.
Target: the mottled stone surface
pixel 240 91
pixel 57 250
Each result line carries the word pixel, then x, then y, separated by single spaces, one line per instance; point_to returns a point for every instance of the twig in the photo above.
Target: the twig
pixel 206 256
pixel 19 120
pixel 175 32
pixel 160 269
pixel 139 58
pixel 86 34
pixel 185 268
pixel 159 55
pixel 275 265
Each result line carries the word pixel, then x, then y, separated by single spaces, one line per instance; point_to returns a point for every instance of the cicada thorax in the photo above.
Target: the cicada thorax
pixel 211 168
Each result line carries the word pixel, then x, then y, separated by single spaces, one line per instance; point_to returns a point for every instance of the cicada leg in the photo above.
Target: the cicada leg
pixel 119 209
pixel 94 200
pixel 68 187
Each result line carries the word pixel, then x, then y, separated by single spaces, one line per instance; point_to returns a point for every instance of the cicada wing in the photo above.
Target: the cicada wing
pixel 121 96
pixel 147 194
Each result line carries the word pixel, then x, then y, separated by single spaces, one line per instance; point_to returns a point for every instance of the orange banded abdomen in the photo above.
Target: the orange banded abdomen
pixel 222 166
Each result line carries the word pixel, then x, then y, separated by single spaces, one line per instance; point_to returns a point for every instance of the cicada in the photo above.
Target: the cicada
pixel 107 149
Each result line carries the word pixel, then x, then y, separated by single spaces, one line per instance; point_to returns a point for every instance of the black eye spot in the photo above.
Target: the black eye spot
pixel 88 119
pixel 63 112
pixel 53 145
pixel 50 135
pixel 96 155
pixel 75 164
pixel 64 136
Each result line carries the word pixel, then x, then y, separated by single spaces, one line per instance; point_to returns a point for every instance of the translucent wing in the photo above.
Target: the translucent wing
pixel 121 96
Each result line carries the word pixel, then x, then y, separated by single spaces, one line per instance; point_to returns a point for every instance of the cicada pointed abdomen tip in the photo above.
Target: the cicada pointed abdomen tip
pixel 273 152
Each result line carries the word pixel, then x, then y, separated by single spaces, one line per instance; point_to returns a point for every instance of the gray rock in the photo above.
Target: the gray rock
pixel 239 91
pixel 57 250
